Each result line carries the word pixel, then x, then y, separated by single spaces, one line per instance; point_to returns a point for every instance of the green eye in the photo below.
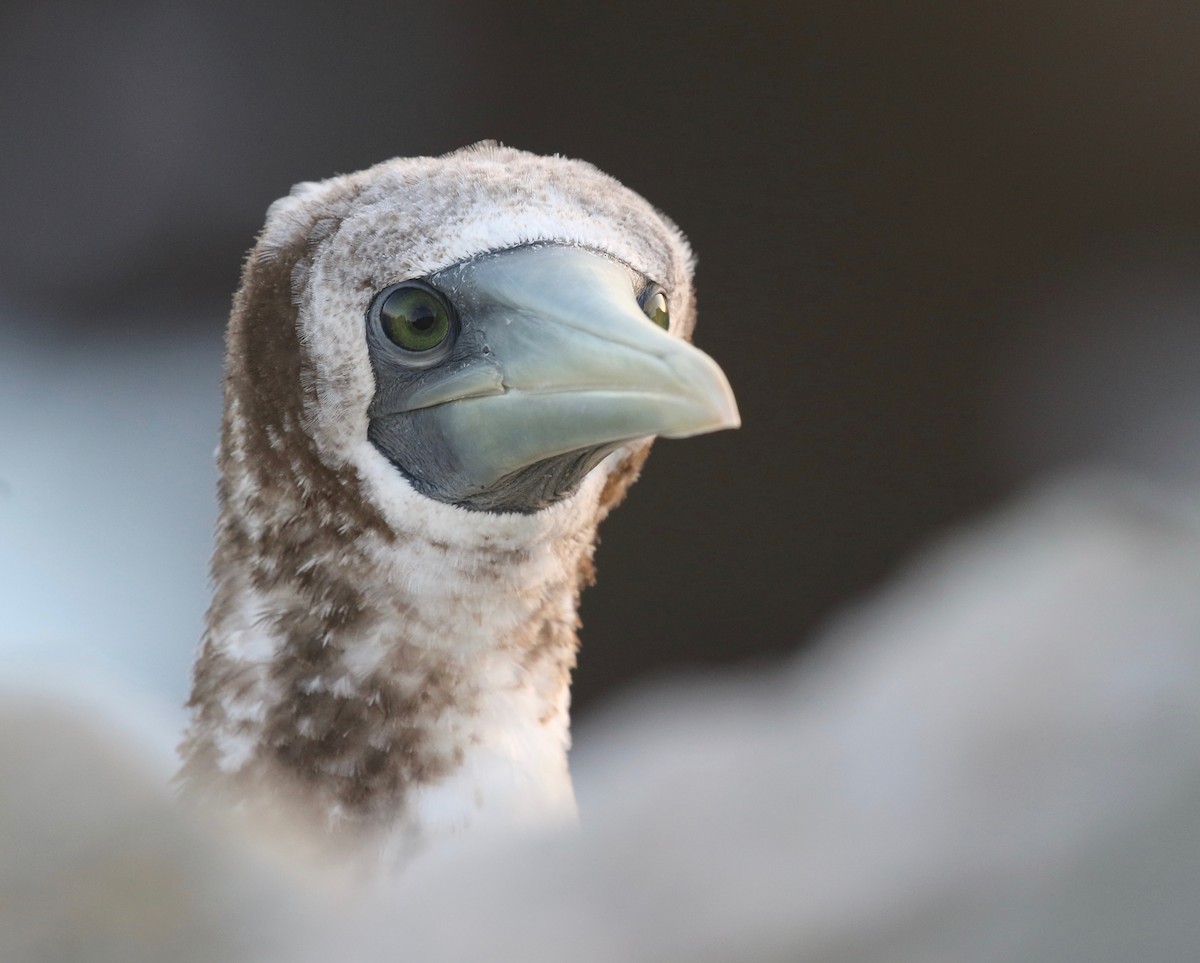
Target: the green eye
pixel 414 318
pixel 654 303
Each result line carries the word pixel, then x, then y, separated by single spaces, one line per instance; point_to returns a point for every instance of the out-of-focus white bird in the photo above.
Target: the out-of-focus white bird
pixel 442 373
pixel 997 759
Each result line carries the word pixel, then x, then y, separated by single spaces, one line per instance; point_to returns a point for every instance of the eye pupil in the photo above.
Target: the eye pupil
pixel 654 304
pixel 414 318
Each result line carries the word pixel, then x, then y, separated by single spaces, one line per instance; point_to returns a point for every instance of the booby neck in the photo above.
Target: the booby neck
pixel 408 685
pixel 393 665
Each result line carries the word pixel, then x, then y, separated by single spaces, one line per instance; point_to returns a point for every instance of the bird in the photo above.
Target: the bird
pixel 441 374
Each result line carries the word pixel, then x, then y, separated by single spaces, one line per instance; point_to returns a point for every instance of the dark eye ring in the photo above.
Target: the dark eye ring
pixel 654 305
pixel 416 320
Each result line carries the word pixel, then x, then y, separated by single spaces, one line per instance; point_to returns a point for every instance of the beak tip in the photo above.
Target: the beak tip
pixel 733 417
pixel 724 404
pixel 715 414
pixel 727 416
pixel 708 401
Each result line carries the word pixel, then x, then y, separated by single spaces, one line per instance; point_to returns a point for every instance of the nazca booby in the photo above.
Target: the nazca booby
pixel 441 374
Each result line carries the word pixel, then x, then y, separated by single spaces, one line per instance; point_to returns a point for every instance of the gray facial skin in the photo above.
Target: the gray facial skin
pixel 550 366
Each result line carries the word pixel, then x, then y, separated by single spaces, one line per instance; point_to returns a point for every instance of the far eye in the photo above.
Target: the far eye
pixel 413 317
pixel 654 304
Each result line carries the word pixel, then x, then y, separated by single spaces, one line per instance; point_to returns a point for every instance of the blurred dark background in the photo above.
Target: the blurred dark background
pixel 944 249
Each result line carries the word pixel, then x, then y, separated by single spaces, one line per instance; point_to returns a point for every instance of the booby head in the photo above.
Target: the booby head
pixel 441 373
pixel 483 328
pixel 503 380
